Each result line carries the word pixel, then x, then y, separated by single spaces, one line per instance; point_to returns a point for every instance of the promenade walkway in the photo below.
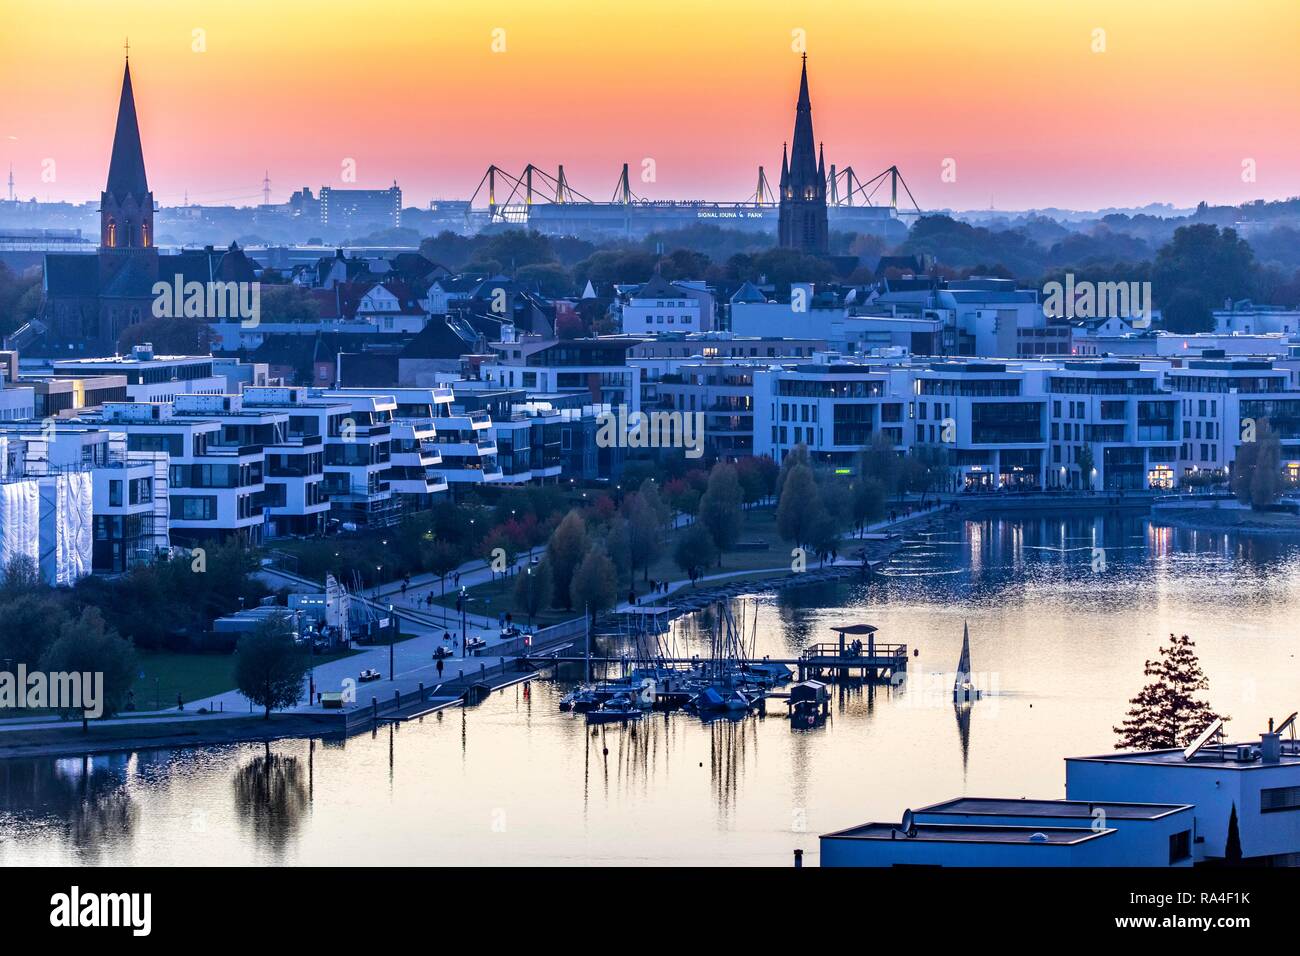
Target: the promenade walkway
pixel 412 661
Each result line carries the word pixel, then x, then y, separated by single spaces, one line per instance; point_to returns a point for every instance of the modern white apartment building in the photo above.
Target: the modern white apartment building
pixel 296 499
pixel 233 464
pixel 597 368
pixel 1223 400
pixel 214 485
pixel 723 392
pixel 834 407
pixel 415 464
pixel 1114 420
pixel 995 416
pixel 149 377
pixel 357 459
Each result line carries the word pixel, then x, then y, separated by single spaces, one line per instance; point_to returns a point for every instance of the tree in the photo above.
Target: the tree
pixel 20 576
pixel 1166 712
pixel 441 560
pixel 721 508
pixel 1086 464
pixel 924 468
pixel 757 477
pixel 168 336
pixel 618 545
pixel 644 529
pixel 269 666
pixel 868 502
pixel 595 582
pixel 800 507
pixel 565 551
pixel 1257 472
pixel 533 589
pixel 654 502
pixel 1196 271
pixel 86 646
pixel 881 461
pixel 695 550
pixel 823 534
pixel 1232 844
pixel 796 456
pixel 29 624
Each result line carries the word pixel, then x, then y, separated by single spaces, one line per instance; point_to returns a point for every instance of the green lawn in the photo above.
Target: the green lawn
pixel 193 676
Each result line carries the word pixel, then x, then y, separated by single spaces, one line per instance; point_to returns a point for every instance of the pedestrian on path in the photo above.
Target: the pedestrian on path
pixel 440 667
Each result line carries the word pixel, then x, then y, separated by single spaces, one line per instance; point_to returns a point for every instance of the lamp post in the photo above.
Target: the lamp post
pixel 392 642
pixel 464 600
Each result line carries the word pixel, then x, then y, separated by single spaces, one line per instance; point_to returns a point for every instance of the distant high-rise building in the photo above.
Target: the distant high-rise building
pixel 802 223
pixel 371 208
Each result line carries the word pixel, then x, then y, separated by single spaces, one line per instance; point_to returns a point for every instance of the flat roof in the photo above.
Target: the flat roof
pixel 1211 757
pixel 1082 809
pixel 971 833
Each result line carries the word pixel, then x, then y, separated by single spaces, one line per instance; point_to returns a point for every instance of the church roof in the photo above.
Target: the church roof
pixel 126 176
pixel 68 274
pixel 134 280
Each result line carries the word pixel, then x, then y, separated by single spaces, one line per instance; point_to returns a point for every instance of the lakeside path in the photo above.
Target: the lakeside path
pixel 412 659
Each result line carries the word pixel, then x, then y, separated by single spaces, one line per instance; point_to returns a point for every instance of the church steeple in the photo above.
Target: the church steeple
pixel 803 193
pixel 126 176
pixel 126 206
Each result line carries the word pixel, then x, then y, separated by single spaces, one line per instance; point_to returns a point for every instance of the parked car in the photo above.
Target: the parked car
pixel 369 674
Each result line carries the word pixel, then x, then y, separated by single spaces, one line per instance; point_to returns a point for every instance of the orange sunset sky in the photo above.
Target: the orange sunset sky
pixel 412 90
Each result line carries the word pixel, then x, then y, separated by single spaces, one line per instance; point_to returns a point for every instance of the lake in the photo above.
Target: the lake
pixel 1062 615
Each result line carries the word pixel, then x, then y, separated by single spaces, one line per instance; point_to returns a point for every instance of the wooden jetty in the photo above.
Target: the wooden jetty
pixel 847 659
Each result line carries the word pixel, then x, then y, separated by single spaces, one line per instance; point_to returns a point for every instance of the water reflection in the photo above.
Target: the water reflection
pixel 1058 642
pixel 271 799
pixel 82 799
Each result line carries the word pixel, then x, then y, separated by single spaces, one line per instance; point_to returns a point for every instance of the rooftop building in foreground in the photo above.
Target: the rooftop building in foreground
pixel 1260 780
pixel 1138 808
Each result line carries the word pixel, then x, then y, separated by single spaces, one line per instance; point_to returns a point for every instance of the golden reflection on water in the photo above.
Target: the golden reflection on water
pixel 1056 645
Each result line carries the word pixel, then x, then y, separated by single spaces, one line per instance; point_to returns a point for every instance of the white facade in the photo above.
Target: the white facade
pixel 1265 794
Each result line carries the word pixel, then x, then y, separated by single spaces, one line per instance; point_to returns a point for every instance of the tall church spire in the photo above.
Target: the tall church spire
pixel 126 176
pixel 803 195
pixel 126 205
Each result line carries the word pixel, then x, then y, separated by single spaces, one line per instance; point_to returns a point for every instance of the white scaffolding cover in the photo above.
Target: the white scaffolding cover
pixel 66 514
pixel 19 521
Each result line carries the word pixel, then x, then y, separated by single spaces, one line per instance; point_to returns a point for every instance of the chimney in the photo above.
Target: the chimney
pixel 1270 747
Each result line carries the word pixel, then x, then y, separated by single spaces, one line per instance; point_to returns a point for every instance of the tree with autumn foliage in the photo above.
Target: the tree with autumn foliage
pixel 1167 712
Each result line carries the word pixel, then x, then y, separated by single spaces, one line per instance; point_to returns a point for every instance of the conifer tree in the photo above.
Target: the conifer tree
pixel 1166 712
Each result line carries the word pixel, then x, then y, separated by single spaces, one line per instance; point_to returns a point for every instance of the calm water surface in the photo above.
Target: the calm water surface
pixel 1057 645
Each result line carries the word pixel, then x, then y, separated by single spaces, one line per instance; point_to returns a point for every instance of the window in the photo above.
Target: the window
pixel 1180 846
pixel 1279 798
pixel 194 507
pixel 115 494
